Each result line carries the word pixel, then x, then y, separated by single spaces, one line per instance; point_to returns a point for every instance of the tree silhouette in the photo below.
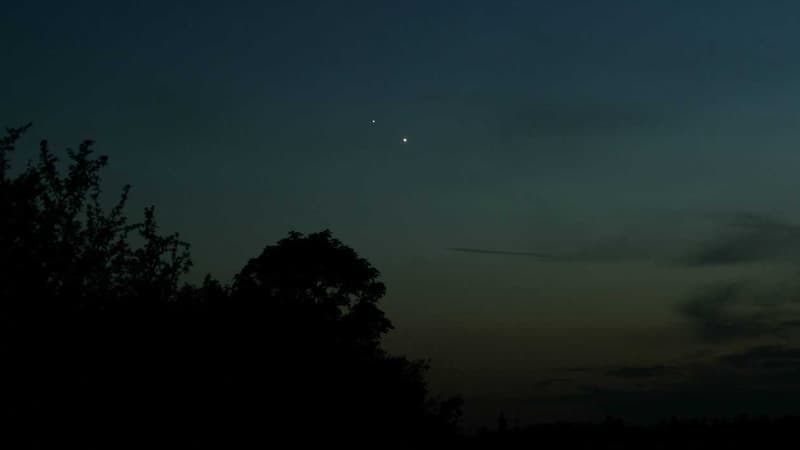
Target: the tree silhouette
pixel 71 283
pixel 320 281
pixel 60 249
pixel 318 300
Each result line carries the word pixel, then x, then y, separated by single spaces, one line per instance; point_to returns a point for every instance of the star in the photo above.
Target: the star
pixel 405 140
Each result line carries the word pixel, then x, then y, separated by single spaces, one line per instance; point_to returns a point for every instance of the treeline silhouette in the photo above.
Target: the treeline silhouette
pixel 102 347
pixel 742 432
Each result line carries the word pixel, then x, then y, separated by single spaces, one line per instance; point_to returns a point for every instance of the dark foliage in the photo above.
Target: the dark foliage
pixel 102 347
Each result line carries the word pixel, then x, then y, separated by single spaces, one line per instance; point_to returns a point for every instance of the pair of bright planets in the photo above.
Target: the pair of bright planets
pixel 404 139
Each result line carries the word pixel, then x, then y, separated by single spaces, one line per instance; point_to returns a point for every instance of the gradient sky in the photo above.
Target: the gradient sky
pixel 644 153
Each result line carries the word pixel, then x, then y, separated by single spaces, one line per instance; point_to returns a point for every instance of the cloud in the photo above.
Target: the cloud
pixel 739 310
pixel 578 369
pixel 748 238
pixel 552 381
pixel 500 252
pixel 756 380
pixel 769 357
pixel 639 372
pixel 735 238
pixel 625 373
pixel 618 249
pixel 712 311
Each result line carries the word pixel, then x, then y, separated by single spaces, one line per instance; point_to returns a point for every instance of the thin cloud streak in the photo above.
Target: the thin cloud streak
pixel 501 252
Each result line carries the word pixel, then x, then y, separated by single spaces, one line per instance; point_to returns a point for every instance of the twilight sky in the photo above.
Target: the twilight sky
pixel 596 209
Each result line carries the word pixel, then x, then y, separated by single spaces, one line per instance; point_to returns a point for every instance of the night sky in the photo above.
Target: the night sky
pixel 597 209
